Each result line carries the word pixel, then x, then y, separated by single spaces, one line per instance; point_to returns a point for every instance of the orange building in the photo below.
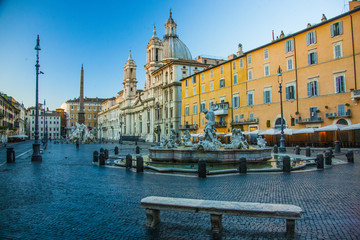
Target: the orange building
pixel 320 68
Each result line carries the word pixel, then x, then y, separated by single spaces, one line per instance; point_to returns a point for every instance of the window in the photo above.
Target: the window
pixel 194 90
pixel 250 98
pixel 290 64
pixel 202 88
pixel 186 82
pixel 289 46
pixel 222 99
pixel 236 118
pixel 203 121
pixel 89 108
pixel 235 78
pixel 241 63
pixel 249 59
pixel 222 83
pixel 212 73
pixel 72 108
pixel 211 85
pixel 195 108
pixel 186 92
pixel 234 65
pixel 251 116
pixel 340 84
pixel 338 50
pixel 236 101
pixel 202 106
pixel 267 95
pixel 250 74
pixel 290 92
pixel 312 88
pixel 312 58
pixel 222 69
pixel 311 38
pixel 194 79
pixel 94 115
pixel 266 53
pixel 267 70
pixel 341 110
pixel 336 29
pixel 202 77
pixel 187 110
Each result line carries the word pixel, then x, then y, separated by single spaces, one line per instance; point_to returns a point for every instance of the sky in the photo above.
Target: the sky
pixel 99 35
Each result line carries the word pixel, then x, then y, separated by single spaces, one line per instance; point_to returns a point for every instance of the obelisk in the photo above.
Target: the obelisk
pixel 81 114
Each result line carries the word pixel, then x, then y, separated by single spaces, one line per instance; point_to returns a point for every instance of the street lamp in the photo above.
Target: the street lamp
pixel 158 130
pixel 120 139
pixel 36 146
pixel 282 147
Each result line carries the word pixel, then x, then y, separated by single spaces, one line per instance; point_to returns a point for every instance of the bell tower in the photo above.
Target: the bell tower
pixel 130 78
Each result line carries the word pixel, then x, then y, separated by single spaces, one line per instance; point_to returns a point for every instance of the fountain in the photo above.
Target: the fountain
pixel 82 134
pixel 209 148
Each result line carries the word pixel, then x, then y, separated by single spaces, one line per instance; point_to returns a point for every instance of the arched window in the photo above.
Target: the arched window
pixel 342 121
pixel 278 123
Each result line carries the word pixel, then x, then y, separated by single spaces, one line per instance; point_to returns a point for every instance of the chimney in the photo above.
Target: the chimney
pixel 354 4
pixel 231 56
pixel 273 39
pixel 240 51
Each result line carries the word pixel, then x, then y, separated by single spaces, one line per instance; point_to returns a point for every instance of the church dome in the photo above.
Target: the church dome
pixel 173 47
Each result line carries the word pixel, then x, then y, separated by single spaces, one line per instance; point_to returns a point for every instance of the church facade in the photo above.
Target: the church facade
pixel 150 113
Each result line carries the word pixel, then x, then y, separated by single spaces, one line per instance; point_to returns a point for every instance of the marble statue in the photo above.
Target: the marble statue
pixel 261 142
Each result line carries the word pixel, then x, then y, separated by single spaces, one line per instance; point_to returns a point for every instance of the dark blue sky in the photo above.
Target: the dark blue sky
pixel 99 35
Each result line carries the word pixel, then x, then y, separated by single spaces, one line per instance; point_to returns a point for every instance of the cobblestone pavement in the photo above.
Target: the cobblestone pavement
pixel 67 197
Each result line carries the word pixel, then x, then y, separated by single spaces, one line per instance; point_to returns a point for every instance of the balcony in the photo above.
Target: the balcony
pixel 355 94
pixel 309 120
pixel 220 124
pixel 189 127
pixel 245 121
pixel 222 108
pixel 334 115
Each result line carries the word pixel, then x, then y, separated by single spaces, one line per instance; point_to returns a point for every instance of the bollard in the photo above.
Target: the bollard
pixel 139 164
pixel 101 150
pixel 242 165
pixel 350 156
pixel 10 155
pixel 276 149
pixel 77 144
pixel 116 150
pixel 337 146
pixel 320 161
pixel 202 168
pixel 96 156
pixel 128 162
pixel 297 150
pixel 137 150
pixel 328 156
pixel 135 142
pixel 330 149
pixel 102 159
pixel 286 164
pixel 308 152
pixel 106 153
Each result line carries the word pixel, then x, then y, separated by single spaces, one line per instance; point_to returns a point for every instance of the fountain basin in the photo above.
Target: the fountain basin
pixel 188 155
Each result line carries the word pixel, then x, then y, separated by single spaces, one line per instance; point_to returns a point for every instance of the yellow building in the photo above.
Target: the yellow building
pixel 320 69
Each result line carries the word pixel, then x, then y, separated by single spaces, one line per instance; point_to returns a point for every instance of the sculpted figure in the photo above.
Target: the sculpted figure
pixel 261 142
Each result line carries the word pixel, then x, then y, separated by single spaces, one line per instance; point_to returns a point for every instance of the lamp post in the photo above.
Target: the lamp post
pixel 282 147
pixel 158 130
pixel 36 146
pixel 120 139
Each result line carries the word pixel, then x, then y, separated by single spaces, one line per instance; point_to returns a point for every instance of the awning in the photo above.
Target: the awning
pixel 333 127
pixel 19 136
pixel 304 130
pixel 252 132
pixel 271 131
pixel 351 127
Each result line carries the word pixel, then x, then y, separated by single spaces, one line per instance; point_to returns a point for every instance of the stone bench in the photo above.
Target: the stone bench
pixel 216 209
